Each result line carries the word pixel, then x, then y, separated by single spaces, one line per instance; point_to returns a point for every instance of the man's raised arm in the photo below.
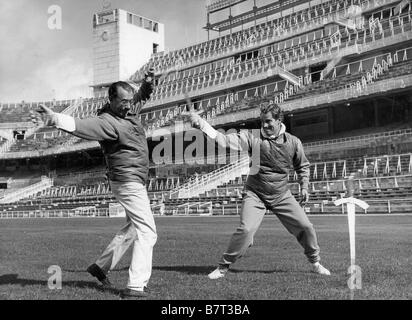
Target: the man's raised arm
pixel 143 93
pixel 236 141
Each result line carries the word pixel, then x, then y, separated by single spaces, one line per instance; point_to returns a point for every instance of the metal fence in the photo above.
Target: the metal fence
pixel 383 206
pixel 64 213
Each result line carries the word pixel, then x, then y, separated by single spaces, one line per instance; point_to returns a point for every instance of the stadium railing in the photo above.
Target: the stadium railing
pixel 55 213
pixel 212 180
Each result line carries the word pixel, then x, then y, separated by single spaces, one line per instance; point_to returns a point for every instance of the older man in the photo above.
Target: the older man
pixel 266 186
pixel 124 145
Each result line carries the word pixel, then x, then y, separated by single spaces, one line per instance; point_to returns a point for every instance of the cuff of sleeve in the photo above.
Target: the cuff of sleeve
pixel 65 122
pixel 207 129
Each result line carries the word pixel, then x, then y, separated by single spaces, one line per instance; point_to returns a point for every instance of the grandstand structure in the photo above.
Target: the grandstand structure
pixel 341 70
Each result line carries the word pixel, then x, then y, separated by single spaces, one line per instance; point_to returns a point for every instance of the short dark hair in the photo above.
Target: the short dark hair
pixel 273 108
pixel 113 88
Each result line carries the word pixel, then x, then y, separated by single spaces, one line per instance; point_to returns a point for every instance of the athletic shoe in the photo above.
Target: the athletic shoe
pixel 319 269
pixel 129 293
pixel 97 272
pixel 219 272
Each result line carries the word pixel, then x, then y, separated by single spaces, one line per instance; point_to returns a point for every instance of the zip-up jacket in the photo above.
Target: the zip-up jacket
pixel 271 159
pixel 123 140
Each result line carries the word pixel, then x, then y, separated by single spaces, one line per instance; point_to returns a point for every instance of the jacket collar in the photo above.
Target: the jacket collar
pixel 274 137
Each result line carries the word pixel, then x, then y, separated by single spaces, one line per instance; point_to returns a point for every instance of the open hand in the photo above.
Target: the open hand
pixel 44 114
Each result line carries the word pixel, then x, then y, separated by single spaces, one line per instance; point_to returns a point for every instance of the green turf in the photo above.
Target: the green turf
pixel 188 248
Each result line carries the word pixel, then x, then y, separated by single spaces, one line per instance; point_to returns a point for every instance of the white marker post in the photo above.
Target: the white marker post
pixel 354 282
pixel 350 205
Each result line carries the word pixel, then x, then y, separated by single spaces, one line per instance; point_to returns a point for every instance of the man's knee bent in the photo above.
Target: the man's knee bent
pixel 154 240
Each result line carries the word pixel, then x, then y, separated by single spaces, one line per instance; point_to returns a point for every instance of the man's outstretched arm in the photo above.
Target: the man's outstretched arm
pixel 235 141
pixel 93 128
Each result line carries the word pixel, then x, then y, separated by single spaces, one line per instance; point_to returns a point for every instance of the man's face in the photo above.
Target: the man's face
pixel 121 104
pixel 270 125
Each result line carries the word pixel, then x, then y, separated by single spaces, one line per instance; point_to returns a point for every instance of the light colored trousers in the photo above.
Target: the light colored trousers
pixel 140 230
pixel 290 214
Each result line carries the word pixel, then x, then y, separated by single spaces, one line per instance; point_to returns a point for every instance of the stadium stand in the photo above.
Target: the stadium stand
pixel 343 78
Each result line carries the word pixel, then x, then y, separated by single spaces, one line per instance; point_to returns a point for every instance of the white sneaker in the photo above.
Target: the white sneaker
pixel 319 269
pixel 218 273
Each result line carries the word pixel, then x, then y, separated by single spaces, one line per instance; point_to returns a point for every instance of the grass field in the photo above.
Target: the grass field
pixel 188 248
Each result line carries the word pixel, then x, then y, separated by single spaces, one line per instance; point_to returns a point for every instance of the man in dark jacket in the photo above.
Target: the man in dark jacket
pixel 124 145
pixel 266 186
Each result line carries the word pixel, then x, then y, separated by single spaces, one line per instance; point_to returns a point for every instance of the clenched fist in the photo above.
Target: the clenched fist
pixel 149 75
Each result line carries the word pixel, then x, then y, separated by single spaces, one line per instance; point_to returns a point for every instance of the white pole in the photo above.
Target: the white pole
pixel 351 224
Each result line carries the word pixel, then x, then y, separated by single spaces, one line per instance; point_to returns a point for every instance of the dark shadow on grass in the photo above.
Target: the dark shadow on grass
pixel 199 270
pixel 13 279
pixel 260 271
pixel 184 269
pixel 208 269
pixel 187 269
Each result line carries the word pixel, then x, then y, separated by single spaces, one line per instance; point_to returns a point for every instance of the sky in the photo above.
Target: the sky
pixel 40 64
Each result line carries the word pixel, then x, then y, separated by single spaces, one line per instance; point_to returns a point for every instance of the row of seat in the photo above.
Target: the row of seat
pixel 52 137
pixel 401 189
pixel 341 77
pixel 226 74
pixel 15 113
pixel 268 30
pixel 326 184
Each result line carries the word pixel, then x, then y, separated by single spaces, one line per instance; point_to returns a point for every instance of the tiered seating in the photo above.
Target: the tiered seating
pixel 282 53
pixel 342 76
pixel 16 182
pixel 353 145
pixel 375 181
pixel 353 74
pixel 50 137
pixel 20 112
pixel 399 69
pixel 32 210
pixel 227 200
pixel 14 113
pixel 289 25
pixel 57 138
pixel 89 107
pixel 82 176
pixel 74 191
